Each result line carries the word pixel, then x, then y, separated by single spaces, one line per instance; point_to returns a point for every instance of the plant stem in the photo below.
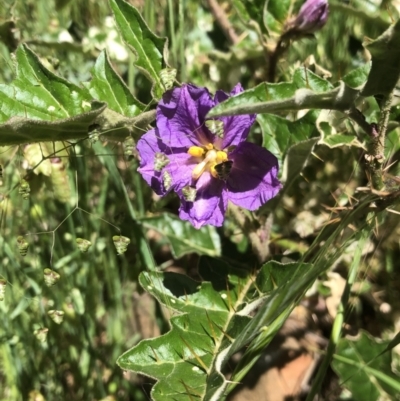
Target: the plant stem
pixel 223 21
pixel 376 151
pixel 274 57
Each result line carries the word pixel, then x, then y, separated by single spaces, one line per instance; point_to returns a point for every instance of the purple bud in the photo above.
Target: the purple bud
pixel 312 16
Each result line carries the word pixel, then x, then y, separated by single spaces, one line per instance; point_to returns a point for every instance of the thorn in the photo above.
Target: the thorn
pixel 273 281
pixel 363 189
pixel 155 354
pixel 198 359
pixel 231 339
pixel 315 155
pixel 228 293
pixel 212 328
pixel 332 221
pixel 393 211
pixel 305 179
pixel 189 390
pixel 388 166
pixel 334 197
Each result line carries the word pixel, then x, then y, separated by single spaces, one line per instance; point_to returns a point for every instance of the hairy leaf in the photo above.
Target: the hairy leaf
pixel 148 48
pixel 307 90
pixel 107 86
pixel 209 318
pixel 41 106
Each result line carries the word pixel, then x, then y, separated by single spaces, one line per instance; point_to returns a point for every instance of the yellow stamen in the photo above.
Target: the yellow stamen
pixel 200 168
pixel 196 151
pixel 209 146
pixel 212 170
pixel 221 156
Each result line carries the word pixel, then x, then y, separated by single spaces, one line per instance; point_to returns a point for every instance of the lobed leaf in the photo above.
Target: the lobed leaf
pixel 209 319
pixel 357 77
pixel 147 47
pixel 307 90
pixel 107 86
pixel 41 106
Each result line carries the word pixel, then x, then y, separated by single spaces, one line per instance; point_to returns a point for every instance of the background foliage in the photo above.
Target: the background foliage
pixel 67 173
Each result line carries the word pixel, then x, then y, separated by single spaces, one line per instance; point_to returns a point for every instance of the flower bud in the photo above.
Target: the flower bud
pixel 311 17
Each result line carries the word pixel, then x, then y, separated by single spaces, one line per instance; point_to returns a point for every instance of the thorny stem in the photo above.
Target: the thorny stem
pixel 259 238
pixel 359 118
pixel 223 21
pixel 376 155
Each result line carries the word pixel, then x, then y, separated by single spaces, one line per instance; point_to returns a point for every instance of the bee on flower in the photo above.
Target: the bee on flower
pixel 208 163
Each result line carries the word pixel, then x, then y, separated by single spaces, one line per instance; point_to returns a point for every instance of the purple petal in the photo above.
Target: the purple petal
pixel 253 178
pixel 210 204
pixel 236 128
pixel 180 167
pixel 147 147
pixel 181 114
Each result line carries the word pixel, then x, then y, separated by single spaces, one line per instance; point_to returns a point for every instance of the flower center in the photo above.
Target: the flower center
pixel 210 158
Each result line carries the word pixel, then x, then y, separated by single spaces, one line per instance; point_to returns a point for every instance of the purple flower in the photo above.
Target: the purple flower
pixel 311 17
pixel 206 162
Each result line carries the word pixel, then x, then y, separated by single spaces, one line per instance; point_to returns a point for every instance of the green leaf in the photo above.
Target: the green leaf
pixel 335 131
pixel 187 361
pixel 183 237
pixel 307 90
pixel 39 94
pixel 107 86
pixel 365 369
pixel 338 140
pixel 250 10
pixel 357 77
pixel 277 280
pixel 385 70
pixel 276 14
pixel 148 48
pixel 42 105
pixel 279 134
pixel 296 159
